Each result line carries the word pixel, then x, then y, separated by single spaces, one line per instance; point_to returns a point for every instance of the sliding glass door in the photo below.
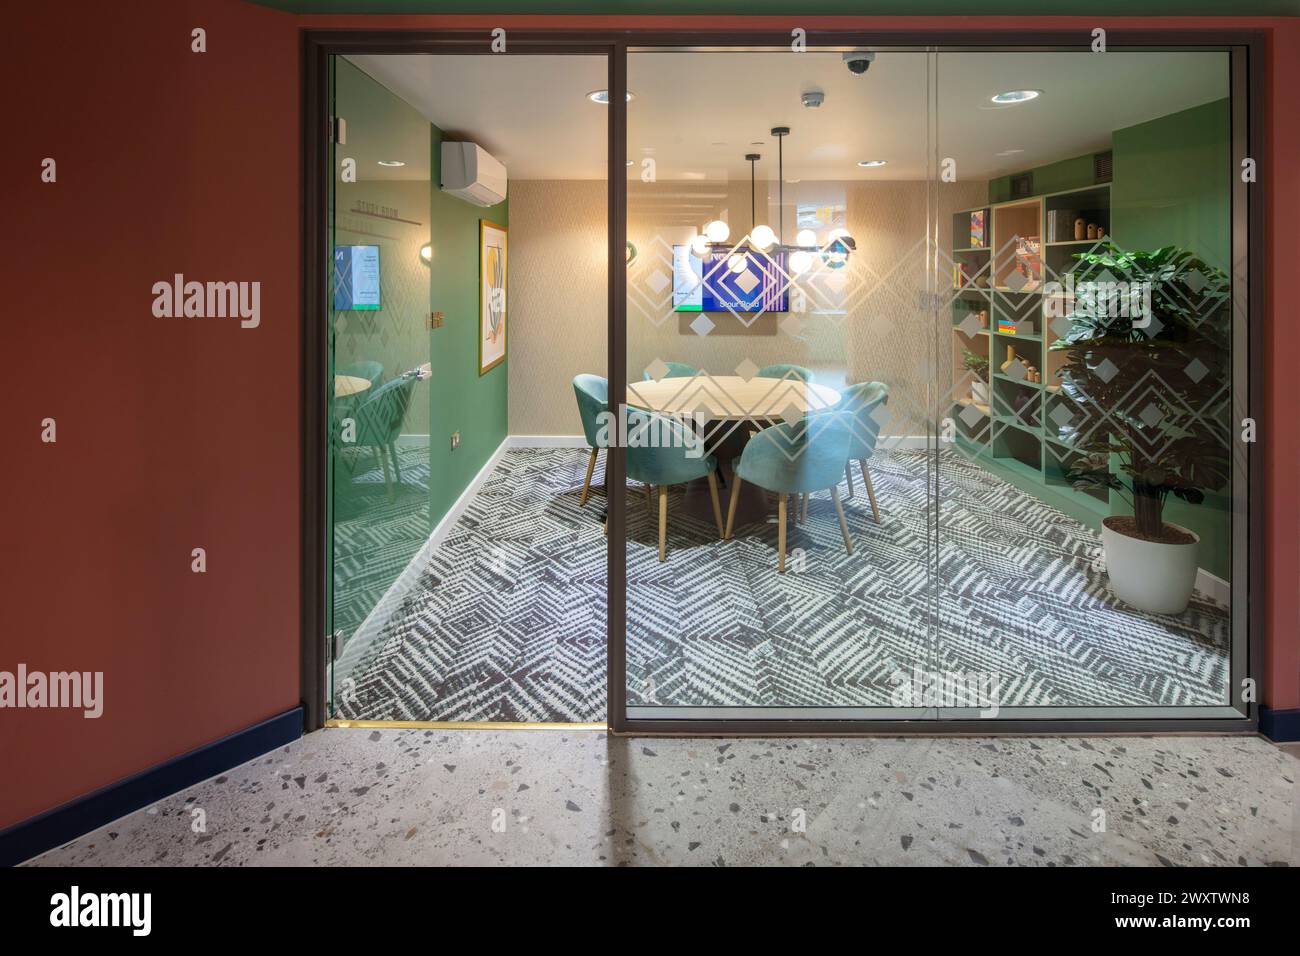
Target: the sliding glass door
pixel 1086 479
pixel 780 364
pixel 936 399
pixel 467 307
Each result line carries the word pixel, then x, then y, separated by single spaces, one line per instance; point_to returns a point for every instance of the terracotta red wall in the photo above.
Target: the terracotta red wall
pixel 175 434
pixel 172 433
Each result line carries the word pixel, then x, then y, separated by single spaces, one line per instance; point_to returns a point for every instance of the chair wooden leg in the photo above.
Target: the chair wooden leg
pixel 663 522
pixel 717 507
pixel 397 462
pixel 731 505
pixel 586 482
pixel 383 457
pixel 844 525
pixel 780 534
pixel 805 506
pixel 848 476
pixel 871 491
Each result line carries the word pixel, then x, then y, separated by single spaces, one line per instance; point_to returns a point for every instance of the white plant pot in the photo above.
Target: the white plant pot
pixel 1148 575
pixel 979 392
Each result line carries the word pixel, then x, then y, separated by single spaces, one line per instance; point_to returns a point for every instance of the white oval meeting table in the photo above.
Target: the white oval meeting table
pixel 721 398
pixel 345 386
pixel 730 397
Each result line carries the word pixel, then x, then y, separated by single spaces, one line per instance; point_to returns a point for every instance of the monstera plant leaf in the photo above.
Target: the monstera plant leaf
pixel 1152 384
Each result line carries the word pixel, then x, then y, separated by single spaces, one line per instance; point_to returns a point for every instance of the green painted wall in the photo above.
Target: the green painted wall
pixel 1173 183
pixel 460 399
pixel 1173 186
pixel 1051 178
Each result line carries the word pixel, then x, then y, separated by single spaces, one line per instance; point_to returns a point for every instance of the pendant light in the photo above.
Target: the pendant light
pixel 763 238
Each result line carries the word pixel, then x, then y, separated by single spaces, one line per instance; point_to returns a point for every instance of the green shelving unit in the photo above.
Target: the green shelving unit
pixel 1015 436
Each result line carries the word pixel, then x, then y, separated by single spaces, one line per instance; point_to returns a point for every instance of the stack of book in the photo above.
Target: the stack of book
pixel 1060 224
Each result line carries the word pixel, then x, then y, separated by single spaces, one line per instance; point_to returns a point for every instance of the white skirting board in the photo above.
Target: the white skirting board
pixel 547 441
pixel 1214 587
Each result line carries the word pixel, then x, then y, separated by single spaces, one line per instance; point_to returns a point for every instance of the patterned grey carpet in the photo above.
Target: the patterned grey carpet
pixel 508 620
pixel 378 529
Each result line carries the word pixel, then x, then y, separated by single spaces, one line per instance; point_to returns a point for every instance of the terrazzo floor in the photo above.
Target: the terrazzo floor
pixel 371 797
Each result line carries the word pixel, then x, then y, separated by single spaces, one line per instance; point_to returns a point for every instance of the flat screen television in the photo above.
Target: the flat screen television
pixel 356 278
pixel 701 285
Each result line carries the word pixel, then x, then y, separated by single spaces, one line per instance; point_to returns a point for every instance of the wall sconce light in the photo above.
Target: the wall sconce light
pixel 426 253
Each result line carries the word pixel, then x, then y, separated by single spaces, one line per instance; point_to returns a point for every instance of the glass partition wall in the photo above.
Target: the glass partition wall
pixel 1085 471
pixel 932 363
pixel 780 360
pixel 380 493
pixel 936 376
pixel 468 300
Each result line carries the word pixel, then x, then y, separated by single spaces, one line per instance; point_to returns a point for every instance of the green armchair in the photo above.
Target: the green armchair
pixel 796 459
pixel 860 402
pixel 660 454
pixel 379 422
pixel 592 393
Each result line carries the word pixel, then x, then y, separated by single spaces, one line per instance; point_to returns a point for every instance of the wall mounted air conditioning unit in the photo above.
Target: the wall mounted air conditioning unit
pixel 470 173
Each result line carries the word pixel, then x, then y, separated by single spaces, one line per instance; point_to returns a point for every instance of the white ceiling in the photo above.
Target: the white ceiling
pixel 697 114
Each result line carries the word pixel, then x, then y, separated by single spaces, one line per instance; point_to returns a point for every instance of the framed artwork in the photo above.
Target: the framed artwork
pixel 491 295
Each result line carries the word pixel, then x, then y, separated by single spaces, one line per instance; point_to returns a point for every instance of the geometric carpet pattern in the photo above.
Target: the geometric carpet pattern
pixel 378 529
pixel 507 621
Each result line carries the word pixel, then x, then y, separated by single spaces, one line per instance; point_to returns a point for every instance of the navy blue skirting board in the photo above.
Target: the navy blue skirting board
pixel 24 840
pixel 1280 725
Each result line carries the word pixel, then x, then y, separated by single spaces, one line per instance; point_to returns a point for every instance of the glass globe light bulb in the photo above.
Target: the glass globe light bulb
pixel 762 237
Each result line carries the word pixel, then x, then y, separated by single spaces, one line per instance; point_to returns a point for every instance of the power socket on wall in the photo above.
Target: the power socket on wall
pixel 455 440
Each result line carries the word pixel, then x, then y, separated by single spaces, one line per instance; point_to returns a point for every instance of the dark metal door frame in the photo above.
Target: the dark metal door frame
pixel 318 45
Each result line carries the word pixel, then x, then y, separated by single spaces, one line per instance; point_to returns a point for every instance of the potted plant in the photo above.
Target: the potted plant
pixel 979 366
pixel 1146 363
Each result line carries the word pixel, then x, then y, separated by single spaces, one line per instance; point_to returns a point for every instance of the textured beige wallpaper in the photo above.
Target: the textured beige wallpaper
pixel 557 300
pixel 867 321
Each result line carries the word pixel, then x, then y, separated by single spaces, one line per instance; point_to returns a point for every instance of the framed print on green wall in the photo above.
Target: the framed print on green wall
pixel 491 295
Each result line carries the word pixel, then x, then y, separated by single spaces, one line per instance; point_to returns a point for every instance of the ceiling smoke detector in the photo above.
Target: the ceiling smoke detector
pixel 812 99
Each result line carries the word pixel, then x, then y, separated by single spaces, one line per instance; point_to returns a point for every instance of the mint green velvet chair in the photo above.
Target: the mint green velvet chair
pixel 372 371
pixel 379 422
pixel 795 460
pixel 592 392
pixel 676 370
pixel 659 454
pixel 861 401
pixel 784 371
